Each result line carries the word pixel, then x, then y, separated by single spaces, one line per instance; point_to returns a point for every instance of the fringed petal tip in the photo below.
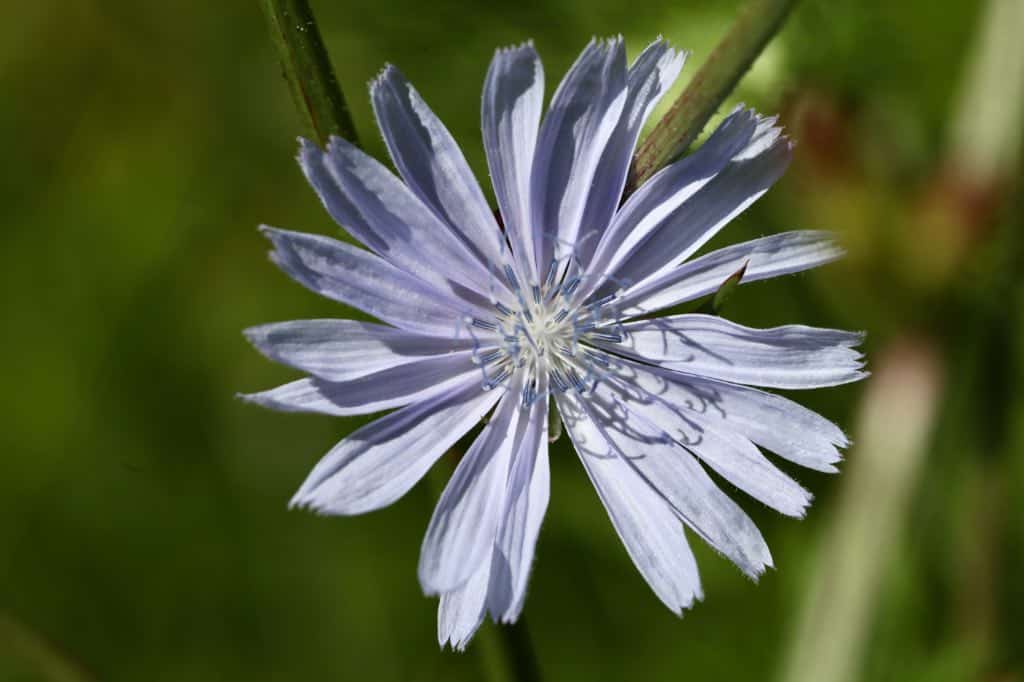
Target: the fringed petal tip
pixel 505 618
pixel 305 501
pixel 670 51
pixel 278 255
pixel 612 43
pixel 339 145
pixel 388 71
pixel 525 46
pixel 829 467
pixel 257 335
pixel 270 232
pixel 307 148
pixel 680 609
pixel 282 253
pixel 757 570
pixel 603 43
pixel 298 503
pixel 766 136
pixel 252 398
pixel 311 499
pixel 456 646
pixel 456 636
pixel 829 244
pixel 267 400
pixel 800 511
pixel 309 151
pixel 755 565
pixel 862 334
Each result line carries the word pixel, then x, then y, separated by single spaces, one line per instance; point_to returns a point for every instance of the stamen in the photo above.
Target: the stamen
pixel 610 337
pixel 601 301
pixel 488 358
pixel 560 383
pixel 504 374
pixel 484 324
pixel 552 273
pixel 570 286
pixel 565 349
pixel 577 382
pixel 512 280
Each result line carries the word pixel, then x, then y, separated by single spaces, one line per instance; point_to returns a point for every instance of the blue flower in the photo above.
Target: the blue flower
pixel 552 303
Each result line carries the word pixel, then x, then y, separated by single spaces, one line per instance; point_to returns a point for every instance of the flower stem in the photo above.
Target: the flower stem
pixel 307 68
pixel 507 653
pixel 755 25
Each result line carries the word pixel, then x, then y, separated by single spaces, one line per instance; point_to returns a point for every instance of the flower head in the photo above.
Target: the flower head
pixel 550 304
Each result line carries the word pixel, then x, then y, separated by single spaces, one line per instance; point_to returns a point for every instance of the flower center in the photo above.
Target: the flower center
pixel 544 338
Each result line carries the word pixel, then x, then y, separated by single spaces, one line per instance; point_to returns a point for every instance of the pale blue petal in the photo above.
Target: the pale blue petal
pixel 381 461
pixel 405 231
pixel 726 451
pixel 383 390
pixel 788 429
pixel 510 117
pixel 461 611
pixel 650 76
pixel 360 279
pixel 791 356
pixel 738 461
pixel 584 113
pixel 774 256
pixel 645 522
pixel 463 528
pixel 666 467
pixel 698 219
pixel 684 204
pixel 432 164
pixel 526 501
pixel 342 350
pixel 312 162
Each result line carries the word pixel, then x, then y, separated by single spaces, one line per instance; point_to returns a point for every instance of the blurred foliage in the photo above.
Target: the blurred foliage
pixel 145 535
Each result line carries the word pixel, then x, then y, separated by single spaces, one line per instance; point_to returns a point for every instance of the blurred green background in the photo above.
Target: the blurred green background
pixel 144 534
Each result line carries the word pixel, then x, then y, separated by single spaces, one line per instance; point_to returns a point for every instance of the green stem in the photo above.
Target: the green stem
pixel 307 68
pixel 507 653
pixel 757 22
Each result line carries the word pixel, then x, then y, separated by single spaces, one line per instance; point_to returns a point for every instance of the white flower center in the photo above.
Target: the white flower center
pixel 545 338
